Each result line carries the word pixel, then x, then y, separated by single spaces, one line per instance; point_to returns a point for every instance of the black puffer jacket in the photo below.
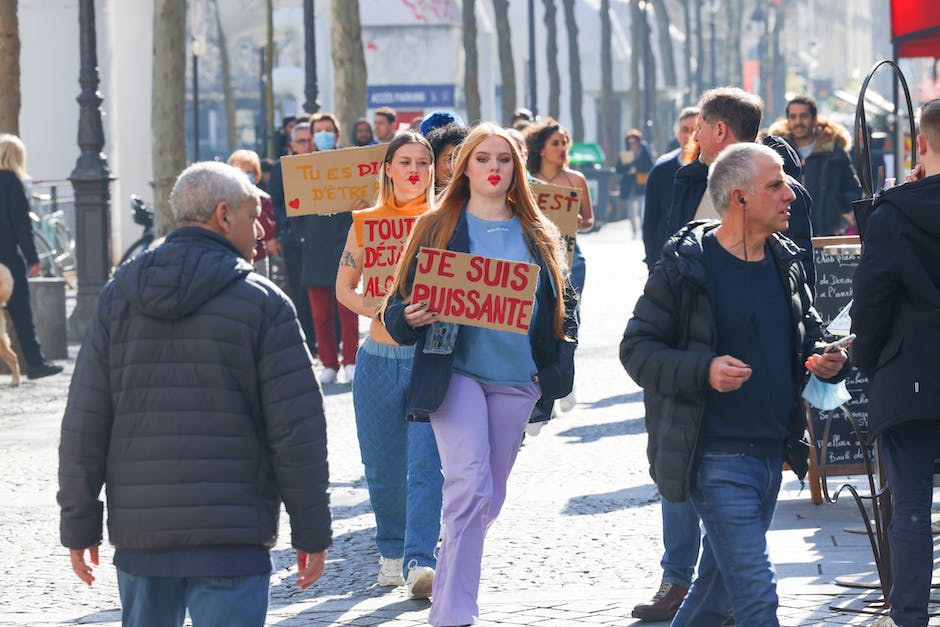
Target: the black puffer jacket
pixel 194 401
pixel 669 344
pixel 896 311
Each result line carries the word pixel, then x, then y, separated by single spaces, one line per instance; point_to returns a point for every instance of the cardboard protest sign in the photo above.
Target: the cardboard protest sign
pixel 328 181
pixel 561 205
pixel 476 291
pixel 383 240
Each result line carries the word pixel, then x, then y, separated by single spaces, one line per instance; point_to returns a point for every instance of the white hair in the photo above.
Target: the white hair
pixel 202 186
pixel 736 168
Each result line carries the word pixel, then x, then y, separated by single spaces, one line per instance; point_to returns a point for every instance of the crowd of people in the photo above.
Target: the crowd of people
pixel 722 342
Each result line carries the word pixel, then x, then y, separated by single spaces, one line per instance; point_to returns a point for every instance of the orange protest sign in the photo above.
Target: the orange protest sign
pixel 383 240
pixel 561 205
pixel 327 182
pixel 476 291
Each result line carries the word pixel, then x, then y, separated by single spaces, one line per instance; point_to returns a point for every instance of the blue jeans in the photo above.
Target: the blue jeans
pixel 682 538
pixel 403 468
pixel 735 495
pixel 909 450
pixel 163 601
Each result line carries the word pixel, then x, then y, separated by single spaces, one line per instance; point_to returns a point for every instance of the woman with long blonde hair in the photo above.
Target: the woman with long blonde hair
pixel 403 470
pixel 16 237
pixel 480 387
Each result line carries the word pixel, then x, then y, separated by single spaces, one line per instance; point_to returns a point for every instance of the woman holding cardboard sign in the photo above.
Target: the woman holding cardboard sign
pixel 479 387
pixel 403 469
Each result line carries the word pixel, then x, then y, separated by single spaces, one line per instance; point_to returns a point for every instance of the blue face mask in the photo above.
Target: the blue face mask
pixel 825 396
pixel 324 140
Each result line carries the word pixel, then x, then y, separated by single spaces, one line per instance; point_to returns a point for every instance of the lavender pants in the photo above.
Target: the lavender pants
pixel 478 429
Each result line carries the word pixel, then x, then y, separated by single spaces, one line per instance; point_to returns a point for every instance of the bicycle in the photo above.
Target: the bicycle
pixel 54 244
pixel 142 215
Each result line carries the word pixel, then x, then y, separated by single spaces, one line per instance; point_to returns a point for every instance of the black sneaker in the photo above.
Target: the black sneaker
pixel 43 369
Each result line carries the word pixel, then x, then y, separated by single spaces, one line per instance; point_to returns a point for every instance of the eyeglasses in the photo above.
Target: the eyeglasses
pixel 303 140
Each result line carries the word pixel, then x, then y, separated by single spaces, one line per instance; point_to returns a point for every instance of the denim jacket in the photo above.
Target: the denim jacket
pixel 434 353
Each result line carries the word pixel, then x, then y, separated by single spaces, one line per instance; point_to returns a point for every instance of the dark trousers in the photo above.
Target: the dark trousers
pixel 909 450
pixel 293 260
pixel 21 313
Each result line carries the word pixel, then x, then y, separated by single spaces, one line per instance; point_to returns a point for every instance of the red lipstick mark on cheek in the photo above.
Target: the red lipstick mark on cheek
pixel 413 179
pixel 494 180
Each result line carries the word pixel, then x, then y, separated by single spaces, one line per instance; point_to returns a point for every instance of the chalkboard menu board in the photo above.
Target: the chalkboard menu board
pixel 836 259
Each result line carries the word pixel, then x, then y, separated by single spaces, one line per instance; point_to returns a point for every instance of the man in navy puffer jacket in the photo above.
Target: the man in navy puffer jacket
pixel 195 403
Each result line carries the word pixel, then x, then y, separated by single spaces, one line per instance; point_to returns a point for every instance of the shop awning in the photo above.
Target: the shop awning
pixel 915 28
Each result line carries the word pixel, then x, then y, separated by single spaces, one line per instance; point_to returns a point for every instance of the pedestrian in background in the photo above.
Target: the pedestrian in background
pixel 633 166
pixel 248 162
pixel 16 238
pixel 195 404
pixel 721 341
pixel 444 142
pixel 479 387
pixel 324 237
pixel 384 124
pixel 362 133
pixel 402 466
pixel 896 315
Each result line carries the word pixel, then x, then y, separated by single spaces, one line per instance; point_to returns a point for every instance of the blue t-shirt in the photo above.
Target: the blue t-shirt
pixel 496 357
pixel 752 318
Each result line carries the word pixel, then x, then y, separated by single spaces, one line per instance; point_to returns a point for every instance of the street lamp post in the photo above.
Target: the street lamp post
pixel 713 7
pixel 533 93
pixel 91 181
pixel 312 101
pixel 198 30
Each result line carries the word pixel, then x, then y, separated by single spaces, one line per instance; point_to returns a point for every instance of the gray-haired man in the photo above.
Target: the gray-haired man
pixel 721 341
pixel 195 404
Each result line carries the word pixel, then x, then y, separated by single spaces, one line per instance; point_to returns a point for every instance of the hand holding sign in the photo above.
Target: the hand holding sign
pixel 473 290
pixel 331 181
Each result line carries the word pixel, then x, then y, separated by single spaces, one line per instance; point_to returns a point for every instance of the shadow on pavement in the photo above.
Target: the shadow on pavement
pixel 604 503
pixel 593 433
pixel 331 611
pixel 610 401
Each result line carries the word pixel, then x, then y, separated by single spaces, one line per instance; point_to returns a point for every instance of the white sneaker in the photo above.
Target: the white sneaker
pixel 420 580
pixel 567 403
pixel 884 621
pixel 327 375
pixel 390 571
pixel 350 371
pixel 533 428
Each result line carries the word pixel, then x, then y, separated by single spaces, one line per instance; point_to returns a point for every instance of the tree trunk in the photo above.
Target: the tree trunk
pixel 666 57
pixel 349 64
pixel 551 52
pixel 9 68
pixel 734 66
pixel 778 101
pixel 636 53
pixel 269 147
pixel 609 139
pixel 574 66
pixel 699 52
pixel 649 80
pixel 689 77
pixel 168 105
pixel 228 95
pixel 471 81
pixel 507 70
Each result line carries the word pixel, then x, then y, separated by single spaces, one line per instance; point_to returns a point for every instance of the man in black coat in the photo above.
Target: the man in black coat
pixel 195 403
pixel 896 315
pixel 290 236
pixel 728 116
pixel 720 341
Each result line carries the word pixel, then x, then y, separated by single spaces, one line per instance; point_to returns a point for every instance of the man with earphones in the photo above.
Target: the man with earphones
pixel 721 341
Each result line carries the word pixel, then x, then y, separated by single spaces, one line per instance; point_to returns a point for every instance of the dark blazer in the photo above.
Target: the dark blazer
pixel 16 230
pixel 896 308
pixel 431 371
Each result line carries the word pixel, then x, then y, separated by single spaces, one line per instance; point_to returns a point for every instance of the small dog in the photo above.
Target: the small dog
pixel 6 349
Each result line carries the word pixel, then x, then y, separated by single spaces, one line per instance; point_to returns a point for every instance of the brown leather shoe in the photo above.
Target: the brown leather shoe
pixel 664 605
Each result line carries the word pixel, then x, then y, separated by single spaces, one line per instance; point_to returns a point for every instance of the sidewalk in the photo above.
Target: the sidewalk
pixel 578 542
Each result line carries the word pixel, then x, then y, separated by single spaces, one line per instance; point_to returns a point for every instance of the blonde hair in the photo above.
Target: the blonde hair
pixel 386 187
pixel 437 226
pixel 13 155
pixel 247 157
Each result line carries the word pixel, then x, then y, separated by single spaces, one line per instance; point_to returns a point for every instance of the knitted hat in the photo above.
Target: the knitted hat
pixel 437 119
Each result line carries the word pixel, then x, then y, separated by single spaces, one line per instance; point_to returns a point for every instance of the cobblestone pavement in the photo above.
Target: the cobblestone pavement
pixel 578 542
